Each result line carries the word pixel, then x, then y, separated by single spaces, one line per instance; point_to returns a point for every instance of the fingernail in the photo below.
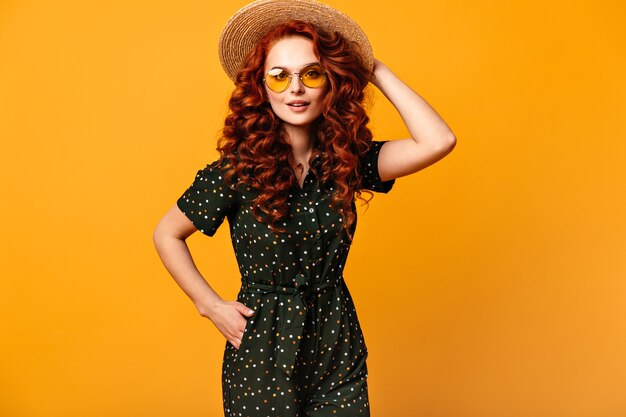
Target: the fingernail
pixel 250 311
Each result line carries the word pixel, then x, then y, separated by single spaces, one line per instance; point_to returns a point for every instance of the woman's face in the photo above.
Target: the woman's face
pixel 292 54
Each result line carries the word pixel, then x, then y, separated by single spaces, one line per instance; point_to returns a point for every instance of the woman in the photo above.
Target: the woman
pixel 294 151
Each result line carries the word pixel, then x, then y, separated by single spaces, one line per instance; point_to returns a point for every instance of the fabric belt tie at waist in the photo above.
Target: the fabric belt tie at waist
pixel 293 315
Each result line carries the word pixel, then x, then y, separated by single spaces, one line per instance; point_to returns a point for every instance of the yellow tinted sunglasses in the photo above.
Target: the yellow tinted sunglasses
pixel 312 76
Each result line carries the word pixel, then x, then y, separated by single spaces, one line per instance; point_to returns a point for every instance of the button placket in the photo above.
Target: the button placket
pixel 312 222
pixel 309 213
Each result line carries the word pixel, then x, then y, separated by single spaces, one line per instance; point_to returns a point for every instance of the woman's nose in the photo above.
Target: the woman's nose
pixel 296 84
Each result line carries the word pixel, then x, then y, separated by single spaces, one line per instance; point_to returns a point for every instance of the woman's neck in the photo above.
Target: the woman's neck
pixel 300 139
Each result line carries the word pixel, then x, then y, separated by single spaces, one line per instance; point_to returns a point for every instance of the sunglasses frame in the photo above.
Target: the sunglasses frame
pixel 299 76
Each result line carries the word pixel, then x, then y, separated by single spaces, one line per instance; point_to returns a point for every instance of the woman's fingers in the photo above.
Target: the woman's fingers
pixel 233 328
pixel 240 338
pixel 236 340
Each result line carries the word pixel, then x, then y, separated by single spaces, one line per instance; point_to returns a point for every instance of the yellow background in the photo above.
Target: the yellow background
pixel 491 284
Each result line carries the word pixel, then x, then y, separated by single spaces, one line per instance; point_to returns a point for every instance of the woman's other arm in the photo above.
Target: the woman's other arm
pixel 170 241
pixel 431 139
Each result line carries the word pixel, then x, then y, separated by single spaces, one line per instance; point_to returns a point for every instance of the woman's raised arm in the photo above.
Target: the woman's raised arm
pixel 431 138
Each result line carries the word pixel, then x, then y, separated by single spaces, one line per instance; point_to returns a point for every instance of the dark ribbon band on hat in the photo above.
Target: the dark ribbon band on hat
pixel 295 310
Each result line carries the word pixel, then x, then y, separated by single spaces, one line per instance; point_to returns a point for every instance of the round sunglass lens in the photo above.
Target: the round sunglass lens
pixel 313 76
pixel 277 79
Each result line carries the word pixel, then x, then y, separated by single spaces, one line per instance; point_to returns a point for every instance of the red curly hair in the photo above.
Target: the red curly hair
pixel 253 147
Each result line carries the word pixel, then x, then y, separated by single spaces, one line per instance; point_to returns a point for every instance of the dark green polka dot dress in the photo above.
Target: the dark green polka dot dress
pixel 303 352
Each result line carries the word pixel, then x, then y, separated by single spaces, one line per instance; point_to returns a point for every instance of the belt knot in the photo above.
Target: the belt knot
pixel 293 319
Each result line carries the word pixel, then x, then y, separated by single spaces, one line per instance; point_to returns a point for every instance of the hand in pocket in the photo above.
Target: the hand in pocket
pixel 230 318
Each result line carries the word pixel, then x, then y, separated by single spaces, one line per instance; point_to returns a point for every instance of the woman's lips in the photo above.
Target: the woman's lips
pixel 298 108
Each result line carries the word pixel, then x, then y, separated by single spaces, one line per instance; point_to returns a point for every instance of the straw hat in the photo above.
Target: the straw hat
pixel 246 27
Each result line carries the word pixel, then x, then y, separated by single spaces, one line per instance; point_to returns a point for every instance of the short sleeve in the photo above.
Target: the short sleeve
pixel 369 170
pixel 208 200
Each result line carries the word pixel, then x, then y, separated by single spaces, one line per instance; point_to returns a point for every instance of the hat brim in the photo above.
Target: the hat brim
pixel 248 25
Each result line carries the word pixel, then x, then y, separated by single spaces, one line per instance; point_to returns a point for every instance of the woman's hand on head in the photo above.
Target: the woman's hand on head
pixel 230 318
pixel 379 67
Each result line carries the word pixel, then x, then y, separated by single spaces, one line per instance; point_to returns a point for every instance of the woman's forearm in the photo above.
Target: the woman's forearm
pixel 176 257
pixel 424 124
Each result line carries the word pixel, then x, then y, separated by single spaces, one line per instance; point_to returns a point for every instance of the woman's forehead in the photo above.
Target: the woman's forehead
pixel 291 54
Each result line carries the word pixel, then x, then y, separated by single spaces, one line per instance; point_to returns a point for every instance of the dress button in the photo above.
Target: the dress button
pixel 311 210
pixel 317 236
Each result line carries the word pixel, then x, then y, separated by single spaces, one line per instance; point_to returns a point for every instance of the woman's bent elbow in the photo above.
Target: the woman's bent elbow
pixel 161 232
pixel 447 145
